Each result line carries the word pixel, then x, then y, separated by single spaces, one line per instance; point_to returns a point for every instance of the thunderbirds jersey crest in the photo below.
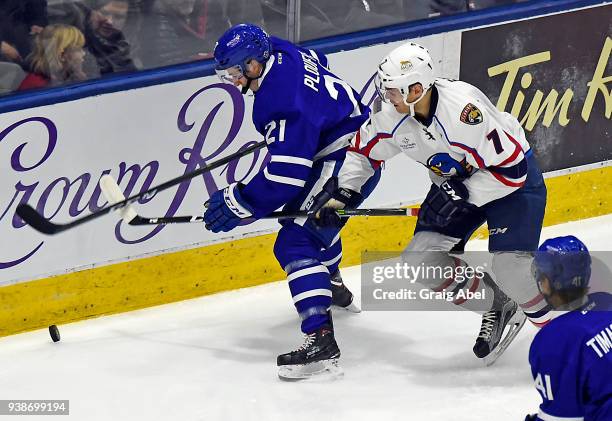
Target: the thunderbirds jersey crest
pixel 465 137
pixel 571 363
pixel 305 113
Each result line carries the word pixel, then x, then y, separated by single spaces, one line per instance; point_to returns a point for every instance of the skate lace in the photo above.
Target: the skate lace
pixel 308 340
pixel 488 323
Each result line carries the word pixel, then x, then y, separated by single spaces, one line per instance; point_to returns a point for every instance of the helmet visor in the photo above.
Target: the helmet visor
pixel 388 95
pixel 537 274
pixel 230 75
pixel 380 88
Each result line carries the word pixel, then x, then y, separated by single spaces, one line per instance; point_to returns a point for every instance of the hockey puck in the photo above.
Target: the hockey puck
pixel 54 332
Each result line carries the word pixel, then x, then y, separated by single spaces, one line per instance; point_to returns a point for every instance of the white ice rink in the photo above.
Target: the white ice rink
pixel 214 358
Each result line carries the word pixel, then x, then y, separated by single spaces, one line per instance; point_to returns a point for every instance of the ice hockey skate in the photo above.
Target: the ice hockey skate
pixel 491 342
pixel 317 357
pixel 342 296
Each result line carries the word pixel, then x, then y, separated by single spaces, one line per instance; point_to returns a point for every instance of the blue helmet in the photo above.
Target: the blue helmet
pixel 565 261
pixel 240 44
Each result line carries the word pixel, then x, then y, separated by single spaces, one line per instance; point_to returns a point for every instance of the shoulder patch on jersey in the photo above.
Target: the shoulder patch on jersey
pixel 471 115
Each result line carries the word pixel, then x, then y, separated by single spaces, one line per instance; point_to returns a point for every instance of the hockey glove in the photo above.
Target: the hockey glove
pixel 332 198
pixel 226 209
pixel 532 417
pixel 448 202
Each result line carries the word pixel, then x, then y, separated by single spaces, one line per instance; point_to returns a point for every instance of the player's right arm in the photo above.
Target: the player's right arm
pixel 598 386
pixel 571 377
pixel 371 146
pixel 292 144
pixel 554 375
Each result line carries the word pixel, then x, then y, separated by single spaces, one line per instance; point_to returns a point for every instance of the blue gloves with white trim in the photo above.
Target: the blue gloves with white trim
pixel 226 209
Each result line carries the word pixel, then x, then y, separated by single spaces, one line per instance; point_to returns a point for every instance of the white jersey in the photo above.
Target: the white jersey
pixel 466 136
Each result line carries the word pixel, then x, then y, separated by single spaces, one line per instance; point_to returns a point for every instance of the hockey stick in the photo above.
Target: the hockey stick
pixel 113 194
pixel 39 223
pixel 143 220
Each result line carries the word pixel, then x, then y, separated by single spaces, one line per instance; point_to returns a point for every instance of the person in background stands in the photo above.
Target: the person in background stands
pixel 102 22
pixel 180 31
pixel 57 58
pixel 20 20
pixel 448 7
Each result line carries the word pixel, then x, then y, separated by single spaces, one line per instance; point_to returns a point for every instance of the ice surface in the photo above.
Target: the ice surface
pixel 213 358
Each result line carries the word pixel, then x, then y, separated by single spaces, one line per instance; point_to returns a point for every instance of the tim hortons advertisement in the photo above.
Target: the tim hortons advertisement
pixel 554 74
pixel 52 158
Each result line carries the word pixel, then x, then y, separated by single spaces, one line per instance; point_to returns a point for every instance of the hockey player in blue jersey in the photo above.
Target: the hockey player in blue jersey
pixel 307 116
pixel 571 357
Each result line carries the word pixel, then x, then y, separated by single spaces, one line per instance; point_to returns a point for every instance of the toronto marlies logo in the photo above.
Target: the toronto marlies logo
pixel 444 165
pixel 234 41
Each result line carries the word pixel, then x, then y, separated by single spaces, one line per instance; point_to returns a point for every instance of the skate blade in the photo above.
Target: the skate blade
pixel 320 370
pixel 353 307
pixel 515 325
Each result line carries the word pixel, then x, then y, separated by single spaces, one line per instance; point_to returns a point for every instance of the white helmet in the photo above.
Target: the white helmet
pixel 403 67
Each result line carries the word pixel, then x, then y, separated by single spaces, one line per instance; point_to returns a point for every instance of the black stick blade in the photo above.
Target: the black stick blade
pixel 36 220
pixel 139 220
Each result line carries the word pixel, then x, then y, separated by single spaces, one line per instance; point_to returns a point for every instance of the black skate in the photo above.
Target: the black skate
pixel 491 342
pixel 317 356
pixel 342 296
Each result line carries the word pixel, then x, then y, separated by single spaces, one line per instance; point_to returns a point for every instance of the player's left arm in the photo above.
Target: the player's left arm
pixel 498 154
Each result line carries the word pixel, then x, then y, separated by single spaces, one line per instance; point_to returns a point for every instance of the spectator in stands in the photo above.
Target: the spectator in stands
pixel 179 31
pixel 320 18
pixel 240 11
pixel 102 22
pixel 447 7
pixel 57 57
pixel 367 14
pixel 20 20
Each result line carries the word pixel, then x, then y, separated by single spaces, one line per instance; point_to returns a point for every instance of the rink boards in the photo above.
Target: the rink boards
pixel 152 134
pixel 241 263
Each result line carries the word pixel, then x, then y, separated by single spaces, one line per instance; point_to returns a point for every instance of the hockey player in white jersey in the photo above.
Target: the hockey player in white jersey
pixel 482 170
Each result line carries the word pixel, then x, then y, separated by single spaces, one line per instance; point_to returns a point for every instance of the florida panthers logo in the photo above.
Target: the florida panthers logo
pixel 471 115
pixel 443 165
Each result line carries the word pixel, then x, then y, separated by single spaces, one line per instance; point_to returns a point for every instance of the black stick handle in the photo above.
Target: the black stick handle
pixel 39 223
pixel 142 220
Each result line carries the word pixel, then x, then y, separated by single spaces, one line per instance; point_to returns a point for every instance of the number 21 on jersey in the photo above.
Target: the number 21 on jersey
pixel 272 134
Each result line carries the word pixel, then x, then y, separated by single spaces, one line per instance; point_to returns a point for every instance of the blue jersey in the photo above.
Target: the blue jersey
pixel 306 114
pixel 571 363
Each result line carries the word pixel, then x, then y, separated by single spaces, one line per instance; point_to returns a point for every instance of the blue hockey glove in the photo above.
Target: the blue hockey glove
pixel 330 199
pixel 226 209
pixel 532 417
pixel 448 202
